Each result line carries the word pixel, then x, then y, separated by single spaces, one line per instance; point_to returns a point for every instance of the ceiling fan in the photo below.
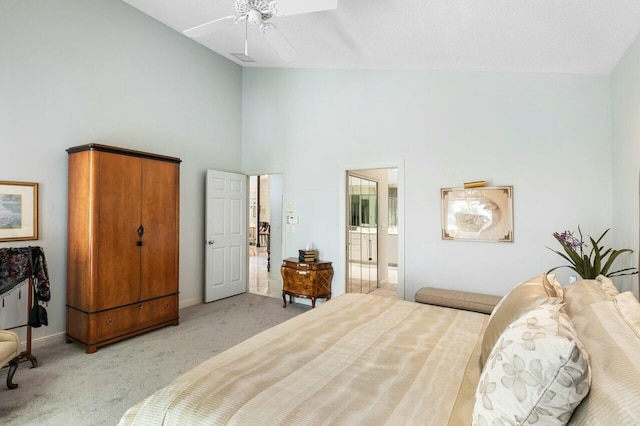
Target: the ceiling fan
pixel 258 13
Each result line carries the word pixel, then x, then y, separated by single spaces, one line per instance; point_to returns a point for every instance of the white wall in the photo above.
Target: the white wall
pixel 78 71
pixel 625 89
pixel 547 135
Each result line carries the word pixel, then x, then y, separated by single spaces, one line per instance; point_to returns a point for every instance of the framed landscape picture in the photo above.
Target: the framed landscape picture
pixel 18 211
pixel 477 214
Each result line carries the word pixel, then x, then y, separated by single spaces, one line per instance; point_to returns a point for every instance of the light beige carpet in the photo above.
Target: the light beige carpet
pixel 70 387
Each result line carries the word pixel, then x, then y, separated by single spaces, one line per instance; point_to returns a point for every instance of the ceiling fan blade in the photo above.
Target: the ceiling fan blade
pixel 278 41
pixel 297 7
pixel 206 28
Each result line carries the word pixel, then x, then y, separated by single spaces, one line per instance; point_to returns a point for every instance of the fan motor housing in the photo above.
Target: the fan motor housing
pixel 255 17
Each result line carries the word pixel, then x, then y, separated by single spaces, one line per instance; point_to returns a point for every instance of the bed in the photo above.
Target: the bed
pixel 547 355
pixel 358 359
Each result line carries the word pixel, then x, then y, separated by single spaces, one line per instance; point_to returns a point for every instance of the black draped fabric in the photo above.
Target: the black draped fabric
pixel 16 268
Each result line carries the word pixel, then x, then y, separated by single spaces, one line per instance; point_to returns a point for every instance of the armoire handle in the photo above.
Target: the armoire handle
pixel 140 231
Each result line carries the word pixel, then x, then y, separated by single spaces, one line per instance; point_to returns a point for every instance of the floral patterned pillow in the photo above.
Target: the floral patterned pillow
pixel 537 373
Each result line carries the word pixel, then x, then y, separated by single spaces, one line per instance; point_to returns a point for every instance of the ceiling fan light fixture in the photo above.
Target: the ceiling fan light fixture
pixel 254 17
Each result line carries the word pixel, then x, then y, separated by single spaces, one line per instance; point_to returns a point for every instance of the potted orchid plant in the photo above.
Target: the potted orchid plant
pixel 598 261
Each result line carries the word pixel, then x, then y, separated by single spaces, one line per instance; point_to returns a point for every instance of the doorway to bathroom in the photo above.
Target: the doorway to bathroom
pixel 372 231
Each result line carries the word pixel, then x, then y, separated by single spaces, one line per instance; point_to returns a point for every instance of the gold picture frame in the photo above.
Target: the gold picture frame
pixel 18 211
pixel 478 214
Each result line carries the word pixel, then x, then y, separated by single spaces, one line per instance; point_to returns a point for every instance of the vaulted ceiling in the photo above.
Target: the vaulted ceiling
pixel 556 36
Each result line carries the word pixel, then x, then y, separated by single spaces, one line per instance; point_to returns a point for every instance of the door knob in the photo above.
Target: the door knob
pixel 210 242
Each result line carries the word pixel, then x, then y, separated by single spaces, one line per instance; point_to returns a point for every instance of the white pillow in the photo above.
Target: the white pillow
pixel 537 373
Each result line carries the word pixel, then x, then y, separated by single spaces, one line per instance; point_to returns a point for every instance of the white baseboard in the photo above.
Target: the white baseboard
pixel 189 302
pixel 44 341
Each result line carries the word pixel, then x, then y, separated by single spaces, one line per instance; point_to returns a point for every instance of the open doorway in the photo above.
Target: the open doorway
pixel 265 234
pixel 372 231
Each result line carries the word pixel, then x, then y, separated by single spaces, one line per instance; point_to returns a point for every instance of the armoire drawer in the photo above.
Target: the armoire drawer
pixel 158 311
pixel 128 319
pixel 115 322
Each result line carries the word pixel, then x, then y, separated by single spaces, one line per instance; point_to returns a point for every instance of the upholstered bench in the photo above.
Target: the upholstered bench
pixel 467 301
pixel 9 350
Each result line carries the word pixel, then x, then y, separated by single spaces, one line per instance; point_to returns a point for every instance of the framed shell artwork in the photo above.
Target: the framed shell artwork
pixel 478 214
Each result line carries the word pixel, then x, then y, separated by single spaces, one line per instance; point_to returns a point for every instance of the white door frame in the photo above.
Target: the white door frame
pixel 398 164
pixel 276 224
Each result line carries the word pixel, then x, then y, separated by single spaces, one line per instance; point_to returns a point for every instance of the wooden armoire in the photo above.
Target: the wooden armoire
pixel 122 244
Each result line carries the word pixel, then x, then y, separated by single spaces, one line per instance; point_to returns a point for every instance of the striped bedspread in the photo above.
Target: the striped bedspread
pixel 357 359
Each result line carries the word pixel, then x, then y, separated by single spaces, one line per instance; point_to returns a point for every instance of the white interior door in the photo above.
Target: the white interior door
pixel 226 235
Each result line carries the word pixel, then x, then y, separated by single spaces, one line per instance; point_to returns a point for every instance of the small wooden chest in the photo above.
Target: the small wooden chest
pixel 310 280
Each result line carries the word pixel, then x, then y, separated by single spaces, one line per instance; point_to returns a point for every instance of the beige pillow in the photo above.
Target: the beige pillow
pixel 613 344
pixel 551 278
pixel 608 287
pixel 537 373
pixel 521 299
pixel 583 293
pixel 629 309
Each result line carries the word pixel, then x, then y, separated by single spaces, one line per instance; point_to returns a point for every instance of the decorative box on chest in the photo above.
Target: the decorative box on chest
pixel 311 280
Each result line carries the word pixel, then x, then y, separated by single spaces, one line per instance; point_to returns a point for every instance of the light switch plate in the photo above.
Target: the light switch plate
pixel 288 208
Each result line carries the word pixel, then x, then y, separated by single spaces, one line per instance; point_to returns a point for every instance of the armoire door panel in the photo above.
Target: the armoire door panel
pixel 119 211
pixel 160 222
pixel 79 223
